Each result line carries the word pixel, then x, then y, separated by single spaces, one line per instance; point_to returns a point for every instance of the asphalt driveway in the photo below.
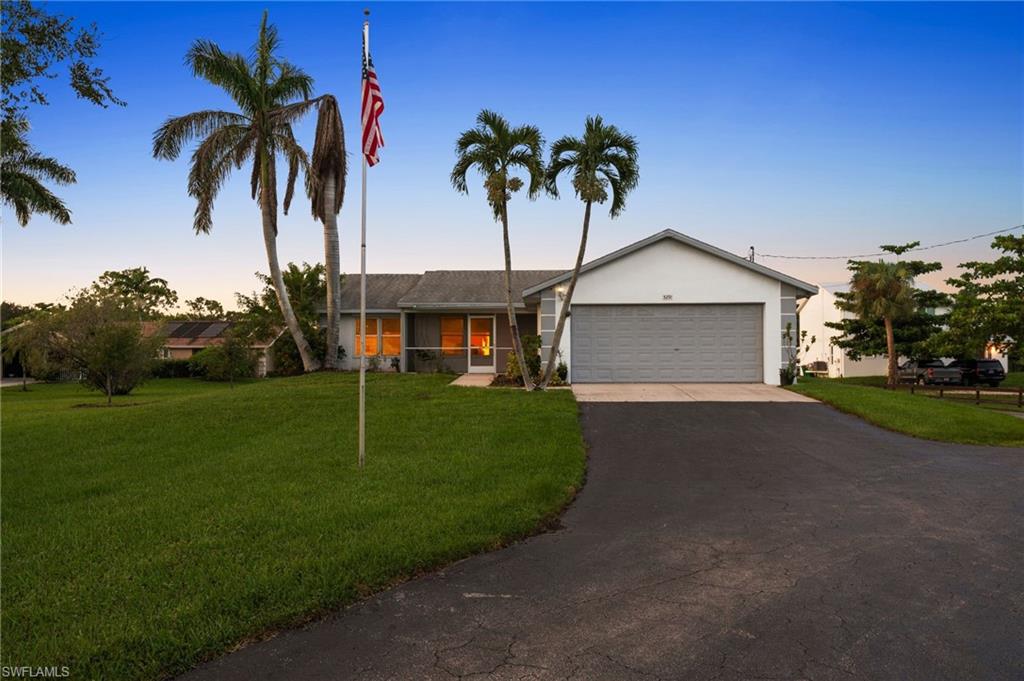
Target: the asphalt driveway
pixel 716 541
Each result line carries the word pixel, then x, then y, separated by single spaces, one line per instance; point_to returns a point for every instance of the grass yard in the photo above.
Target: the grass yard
pixel 1005 403
pixel 139 540
pixel 917 415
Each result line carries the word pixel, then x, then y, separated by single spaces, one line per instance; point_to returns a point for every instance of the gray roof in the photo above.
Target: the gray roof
pixel 383 291
pixel 471 288
pixel 801 286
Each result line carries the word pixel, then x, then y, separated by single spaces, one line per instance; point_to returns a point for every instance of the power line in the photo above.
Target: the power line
pixel 872 255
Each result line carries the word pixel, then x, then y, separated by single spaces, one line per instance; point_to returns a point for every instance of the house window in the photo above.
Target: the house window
pixel 372 346
pixel 453 330
pixel 391 336
pixel 383 337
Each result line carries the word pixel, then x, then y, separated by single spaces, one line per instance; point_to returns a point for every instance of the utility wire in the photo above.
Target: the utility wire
pixel 872 255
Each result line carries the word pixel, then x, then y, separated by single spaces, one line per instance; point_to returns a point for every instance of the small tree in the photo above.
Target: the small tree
pixel 98 338
pixel 892 316
pixel 989 303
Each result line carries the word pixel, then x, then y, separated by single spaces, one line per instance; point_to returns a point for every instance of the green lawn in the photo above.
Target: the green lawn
pixel 917 415
pixel 139 540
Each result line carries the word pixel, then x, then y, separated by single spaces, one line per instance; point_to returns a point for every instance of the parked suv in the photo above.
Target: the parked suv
pixel 974 371
pixel 930 372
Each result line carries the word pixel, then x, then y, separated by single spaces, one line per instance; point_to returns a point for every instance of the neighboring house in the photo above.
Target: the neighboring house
pixel 668 308
pixel 185 338
pixel 814 314
pixel 822 308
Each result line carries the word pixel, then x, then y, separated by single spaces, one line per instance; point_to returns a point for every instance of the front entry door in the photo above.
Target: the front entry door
pixel 481 345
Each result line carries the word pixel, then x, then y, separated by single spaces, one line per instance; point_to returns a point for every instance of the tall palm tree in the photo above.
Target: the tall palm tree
pixel 604 159
pixel 883 290
pixel 24 170
pixel 265 89
pixel 325 184
pixel 496 150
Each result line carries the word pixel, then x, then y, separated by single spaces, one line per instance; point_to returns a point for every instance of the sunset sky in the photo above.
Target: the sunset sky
pixel 802 129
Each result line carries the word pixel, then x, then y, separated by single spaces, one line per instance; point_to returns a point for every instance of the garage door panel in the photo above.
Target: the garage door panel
pixel 667 343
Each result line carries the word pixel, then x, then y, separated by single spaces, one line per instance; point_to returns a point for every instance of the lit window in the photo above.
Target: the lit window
pixel 372 347
pixel 391 336
pixel 452 332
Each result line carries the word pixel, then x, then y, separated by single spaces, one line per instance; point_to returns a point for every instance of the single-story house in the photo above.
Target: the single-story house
pixel 668 308
pixel 182 339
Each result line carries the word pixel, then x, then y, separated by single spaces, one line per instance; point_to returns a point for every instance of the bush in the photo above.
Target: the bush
pixel 229 361
pixel 285 354
pixel 531 351
pixel 172 368
pixel 562 371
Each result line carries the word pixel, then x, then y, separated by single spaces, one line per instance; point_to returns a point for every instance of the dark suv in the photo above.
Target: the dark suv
pixel 974 371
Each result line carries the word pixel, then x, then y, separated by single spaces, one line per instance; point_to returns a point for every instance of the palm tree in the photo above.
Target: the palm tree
pixel 24 170
pixel 325 184
pixel 883 290
pixel 264 87
pixel 496 150
pixel 604 160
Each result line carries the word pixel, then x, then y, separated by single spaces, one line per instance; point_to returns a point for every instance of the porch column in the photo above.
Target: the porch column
pixel 402 329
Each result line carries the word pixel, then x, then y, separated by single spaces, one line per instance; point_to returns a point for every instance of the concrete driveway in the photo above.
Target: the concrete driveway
pixel 721 541
pixel 684 392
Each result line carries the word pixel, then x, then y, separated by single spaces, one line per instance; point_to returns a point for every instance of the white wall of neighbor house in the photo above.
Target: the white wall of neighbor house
pixel 669 272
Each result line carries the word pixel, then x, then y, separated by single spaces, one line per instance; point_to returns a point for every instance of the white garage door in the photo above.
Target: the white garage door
pixel 667 344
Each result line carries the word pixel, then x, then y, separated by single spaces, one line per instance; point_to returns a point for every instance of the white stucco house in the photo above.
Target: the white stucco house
pixel 814 314
pixel 668 308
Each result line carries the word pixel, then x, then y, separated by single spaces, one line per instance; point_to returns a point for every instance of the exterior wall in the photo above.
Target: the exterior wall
pixel 180 353
pixel 347 338
pixel 815 313
pixel 671 272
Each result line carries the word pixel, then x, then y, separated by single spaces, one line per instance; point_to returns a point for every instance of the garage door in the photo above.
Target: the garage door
pixel 667 343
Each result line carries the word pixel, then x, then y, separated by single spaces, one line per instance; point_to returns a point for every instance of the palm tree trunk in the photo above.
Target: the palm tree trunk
pixel 517 342
pixel 268 205
pixel 332 264
pixel 557 339
pixel 890 346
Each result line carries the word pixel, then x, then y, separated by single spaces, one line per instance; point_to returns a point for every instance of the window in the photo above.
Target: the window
pixel 372 347
pixel 391 336
pixel 453 330
pixel 383 337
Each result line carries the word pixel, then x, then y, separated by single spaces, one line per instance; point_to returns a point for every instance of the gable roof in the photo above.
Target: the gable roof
pixel 199 333
pixel 470 288
pixel 383 291
pixel 801 286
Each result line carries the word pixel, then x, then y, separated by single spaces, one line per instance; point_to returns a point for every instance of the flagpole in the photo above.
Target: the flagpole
pixel 362 278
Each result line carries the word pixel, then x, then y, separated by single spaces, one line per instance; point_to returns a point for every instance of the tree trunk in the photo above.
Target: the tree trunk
pixel 268 205
pixel 557 339
pixel 24 378
pixel 890 345
pixel 110 391
pixel 517 342
pixel 332 265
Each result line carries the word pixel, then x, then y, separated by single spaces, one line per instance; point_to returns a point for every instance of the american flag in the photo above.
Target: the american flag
pixel 373 107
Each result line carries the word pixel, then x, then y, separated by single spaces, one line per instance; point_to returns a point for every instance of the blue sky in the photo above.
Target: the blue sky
pixel 800 128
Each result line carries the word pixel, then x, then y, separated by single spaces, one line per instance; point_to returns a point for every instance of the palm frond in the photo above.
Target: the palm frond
pixel 284 141
pixel 175 133
pixel 291 83
pixel 212 162
pixel 328 158
pixel 28 196
pixel 228 71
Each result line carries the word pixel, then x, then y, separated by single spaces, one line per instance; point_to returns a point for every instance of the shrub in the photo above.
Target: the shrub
pixel 562 371
pixel 228 361
pixel 531 351
pixel 172 368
